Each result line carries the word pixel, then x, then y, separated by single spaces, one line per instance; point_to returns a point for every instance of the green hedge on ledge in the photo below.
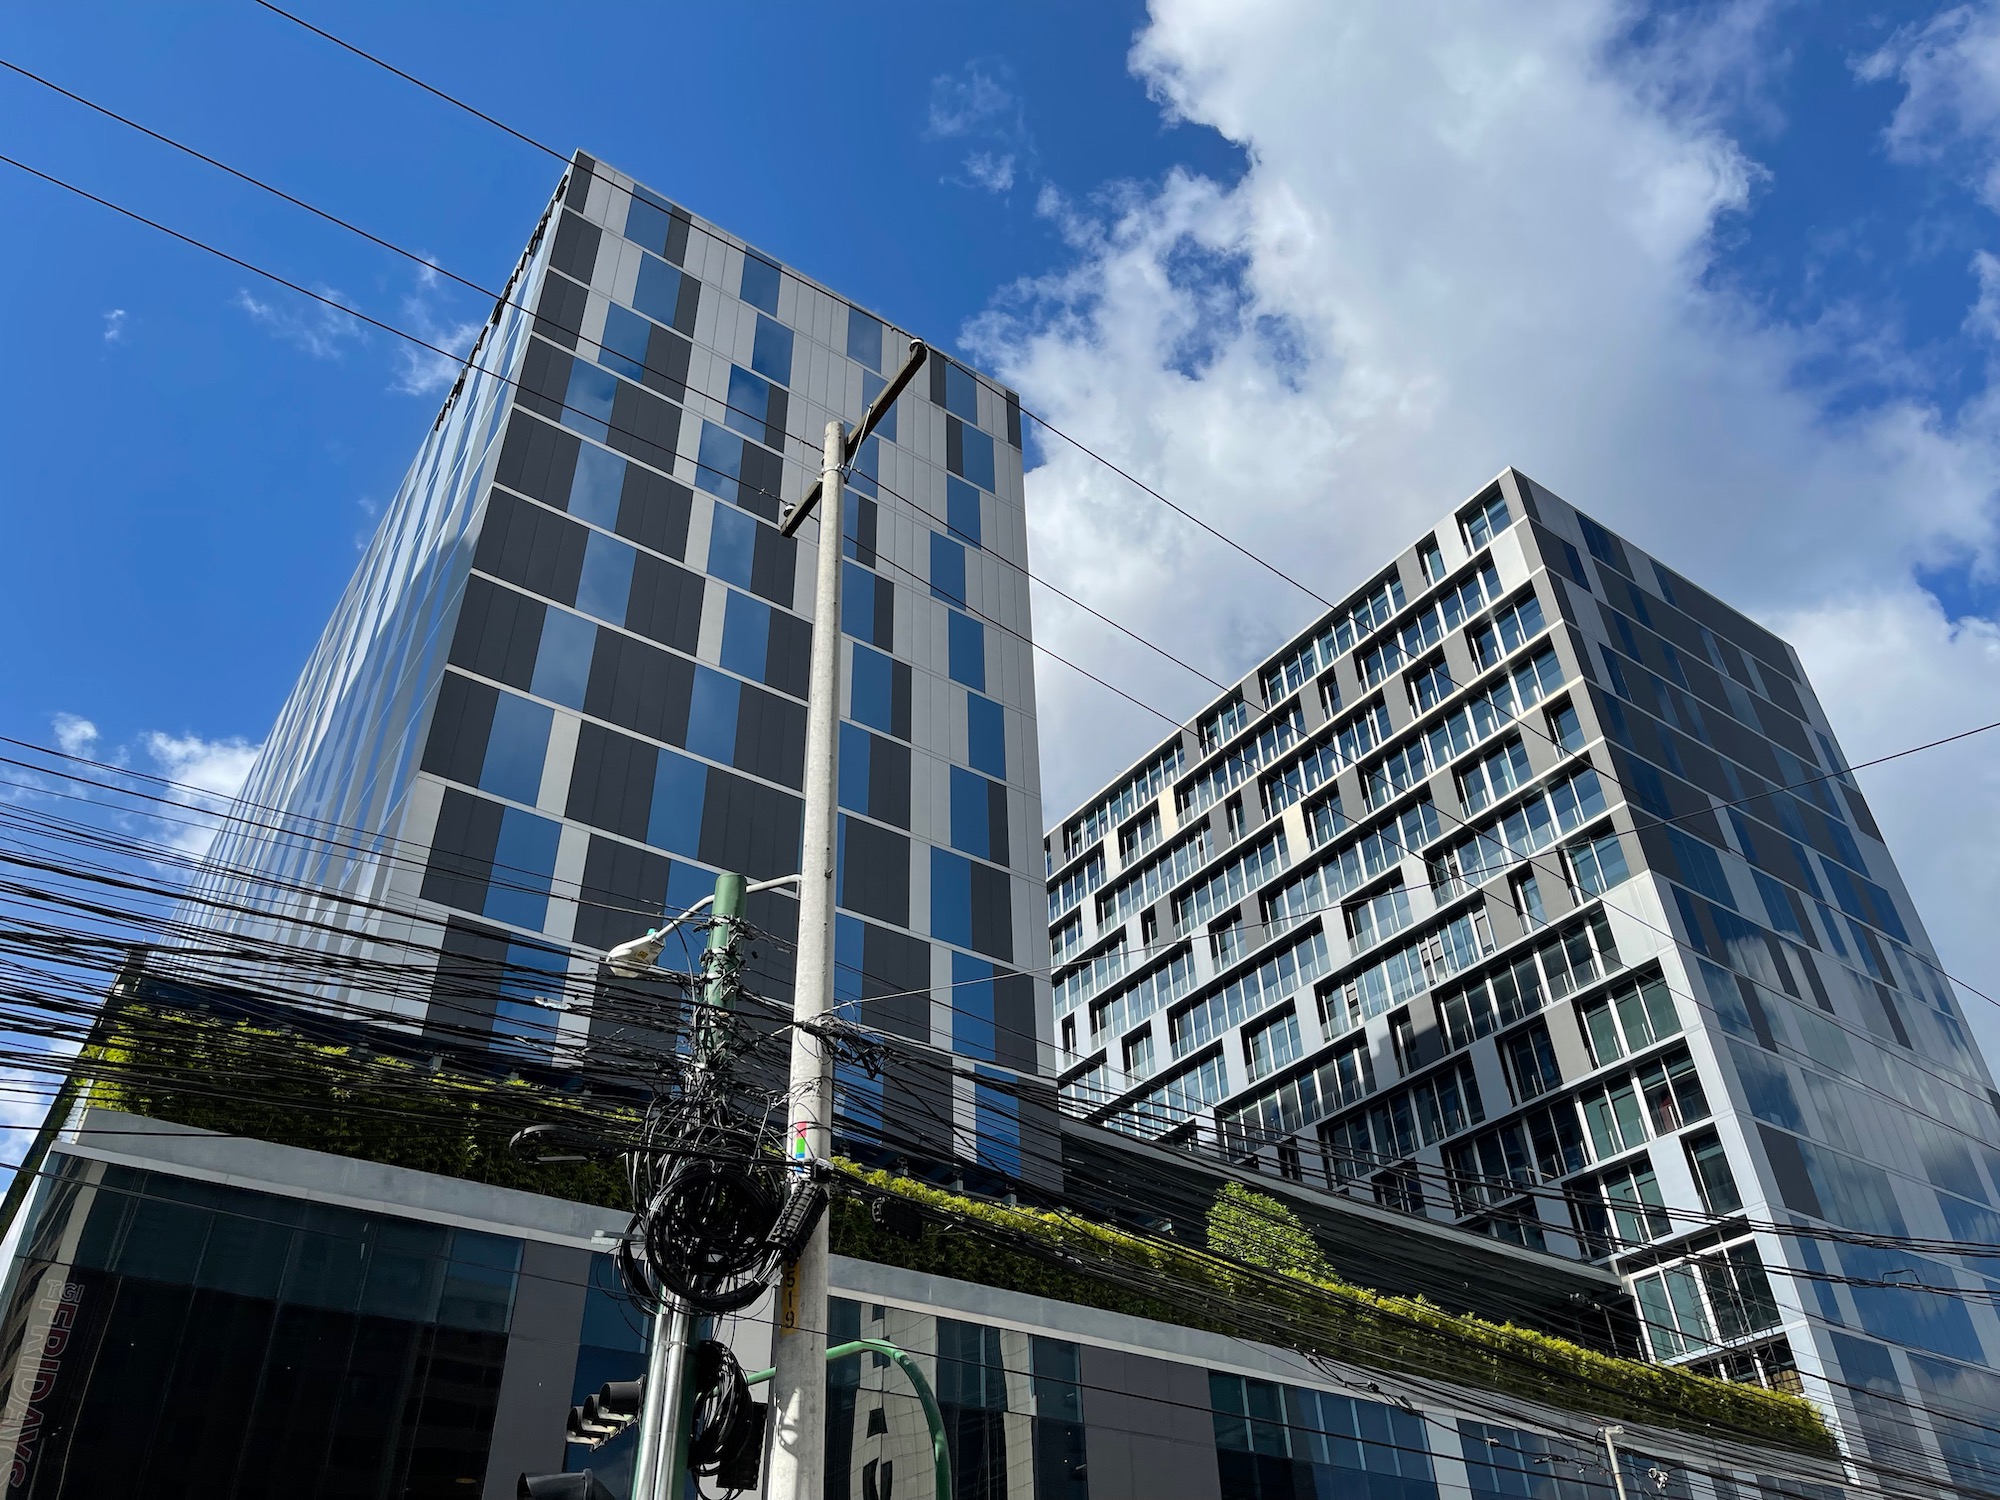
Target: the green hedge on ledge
pixel 270 1085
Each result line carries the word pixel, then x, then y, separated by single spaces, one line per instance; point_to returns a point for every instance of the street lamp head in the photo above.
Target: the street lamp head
pixel 635 958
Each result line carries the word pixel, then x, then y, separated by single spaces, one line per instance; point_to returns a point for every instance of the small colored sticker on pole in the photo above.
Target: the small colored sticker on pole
pixel 801 1146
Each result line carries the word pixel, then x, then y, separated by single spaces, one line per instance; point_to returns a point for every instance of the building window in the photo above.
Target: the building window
pixel 1673 1093
pixel 1139 1054
pixel 1430 558
pixel 1629 1018
pixel 1492 777
pixel 1596 865
pixel 1273 1045
pixel 1565 728
pixel 1712 1177
pixel 1528 901
pixel 1403 1041
pixel 1530 1059
pixel 1485 519
pixel 1430 685
pixel 1621 1209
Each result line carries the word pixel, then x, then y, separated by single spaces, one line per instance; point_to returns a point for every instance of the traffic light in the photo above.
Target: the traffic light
pixel 608 1413
pixel 584 1486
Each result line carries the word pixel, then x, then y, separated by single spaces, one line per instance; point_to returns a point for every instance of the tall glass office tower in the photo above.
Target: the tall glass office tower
pixel 1528 890
pixel 566 685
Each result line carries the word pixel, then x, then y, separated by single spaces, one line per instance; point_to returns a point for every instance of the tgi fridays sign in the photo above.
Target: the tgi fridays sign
pixel 51 1324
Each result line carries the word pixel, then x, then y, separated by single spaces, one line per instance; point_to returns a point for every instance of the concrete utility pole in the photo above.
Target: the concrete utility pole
pixel 798 1382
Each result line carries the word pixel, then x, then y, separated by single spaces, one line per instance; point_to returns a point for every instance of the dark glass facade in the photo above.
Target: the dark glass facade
pixel 206 1340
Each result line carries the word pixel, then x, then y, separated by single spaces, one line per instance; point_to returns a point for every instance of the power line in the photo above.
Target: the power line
pixel 411 78
pixel 1031 415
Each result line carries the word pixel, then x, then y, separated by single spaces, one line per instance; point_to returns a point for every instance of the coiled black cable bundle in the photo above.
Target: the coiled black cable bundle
pixel 728 1427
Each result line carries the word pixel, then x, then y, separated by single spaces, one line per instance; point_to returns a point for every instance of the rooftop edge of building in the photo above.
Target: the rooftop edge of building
pixel 1533 499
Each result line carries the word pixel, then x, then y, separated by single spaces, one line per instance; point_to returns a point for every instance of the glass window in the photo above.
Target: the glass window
pixel 587 401
pixel 1603 1034
pixel 1712 1177
pixel 606 583
pixel 1528 901
pixel 986 736
pixel 749 403
pixel 622 348
pixel 679 787
pixel 1701 867
pixel 961 509
pixel 657 293
pixel 858 588
pixel 746 635
pixel 864 338
pixel 855 743
pixel 1486 519
pixel 1531 1060
pixel 947 570
pixel 719 461
pixel 967 650
pixel 599 482
pixel 712 715
pixel 974 455
pixel 524 865
pixel 1430 558
pixel 971 813
pixel 759 286
pixel 1636 1205
pixel 532 973
pixel 1565 728
pixel 516 749
pixel 972 1017
pixel 961 392
pixel 1599 865
pixel 732 546
pixel 872 684
pixel 951 898
pixel 771 351
pixel 479 1280
pixel 562 661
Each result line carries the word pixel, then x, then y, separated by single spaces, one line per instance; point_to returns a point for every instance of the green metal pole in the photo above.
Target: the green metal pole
pixel 719 964
pixel 933 1414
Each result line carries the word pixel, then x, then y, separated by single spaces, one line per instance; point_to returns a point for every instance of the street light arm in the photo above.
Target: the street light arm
pixel 635 958
pixel 870 420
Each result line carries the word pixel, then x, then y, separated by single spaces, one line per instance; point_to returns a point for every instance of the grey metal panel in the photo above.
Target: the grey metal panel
pixel 541 1364
pixel 1147 1432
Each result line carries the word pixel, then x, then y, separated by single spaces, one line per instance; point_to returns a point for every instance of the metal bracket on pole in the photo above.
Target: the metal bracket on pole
pixel 870 420
pixel 933 1414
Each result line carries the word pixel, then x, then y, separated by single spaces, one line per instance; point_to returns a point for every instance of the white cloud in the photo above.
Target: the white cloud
pixel 76 736
pixel 974 102
pixel 991 171
pixel 1467 238
pixel 424 372
pixel 1894 672
pixel 206 774
pixel 1949 68
pixel 114 325
pixel 320 330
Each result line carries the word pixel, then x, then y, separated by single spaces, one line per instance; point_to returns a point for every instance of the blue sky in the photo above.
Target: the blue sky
pixel 1727 275
pixel 193 454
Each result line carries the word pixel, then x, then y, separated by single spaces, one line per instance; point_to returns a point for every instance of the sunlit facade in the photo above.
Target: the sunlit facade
pixel 1529 891
pixel 566 685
